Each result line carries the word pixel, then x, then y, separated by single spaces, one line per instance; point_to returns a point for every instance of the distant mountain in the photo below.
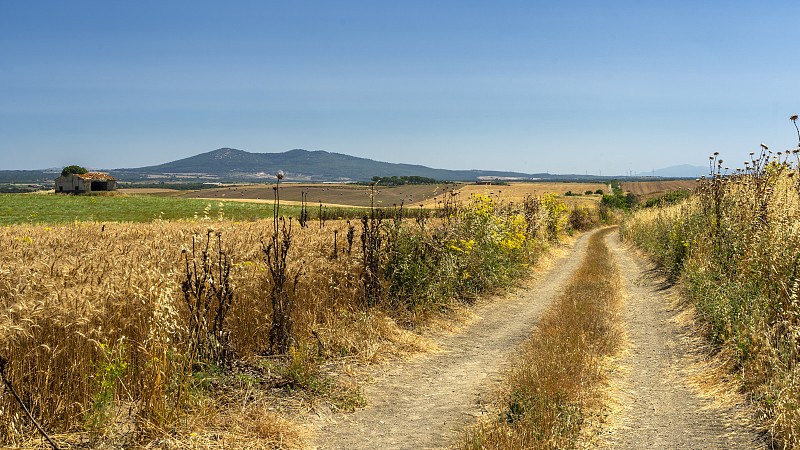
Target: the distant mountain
pixel 232 165
pixel 681 171
pixel 301 165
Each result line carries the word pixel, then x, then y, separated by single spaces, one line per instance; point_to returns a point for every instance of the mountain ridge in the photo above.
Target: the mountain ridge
pixel 233 165
pixel 299 164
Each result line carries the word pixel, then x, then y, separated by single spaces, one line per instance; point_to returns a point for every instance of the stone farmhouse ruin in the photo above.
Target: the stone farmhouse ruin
pixel 86 182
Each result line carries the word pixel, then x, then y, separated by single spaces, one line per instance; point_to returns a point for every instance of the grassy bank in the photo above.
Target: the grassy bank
pixel 736 246
pixel 554 381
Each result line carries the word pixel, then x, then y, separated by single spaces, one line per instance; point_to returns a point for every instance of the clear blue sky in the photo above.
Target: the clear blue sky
pixel 564 87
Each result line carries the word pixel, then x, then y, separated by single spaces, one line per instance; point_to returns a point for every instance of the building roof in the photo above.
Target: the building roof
pixel 95 176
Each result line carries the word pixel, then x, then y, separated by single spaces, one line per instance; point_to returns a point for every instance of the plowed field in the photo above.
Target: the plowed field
pixel 656 187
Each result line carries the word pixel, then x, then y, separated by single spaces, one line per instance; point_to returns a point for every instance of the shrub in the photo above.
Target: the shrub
pixel 669 198
pixel 477 247
pixel 619 201
pixel 400 181
pixel 580 219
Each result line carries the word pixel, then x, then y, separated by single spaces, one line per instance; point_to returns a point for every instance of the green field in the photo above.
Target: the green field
pixel 51 208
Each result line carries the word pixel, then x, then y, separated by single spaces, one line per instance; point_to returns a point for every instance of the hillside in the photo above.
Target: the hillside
pixel 232 164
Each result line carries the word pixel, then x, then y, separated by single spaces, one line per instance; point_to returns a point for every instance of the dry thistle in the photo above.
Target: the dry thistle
pixel 794 121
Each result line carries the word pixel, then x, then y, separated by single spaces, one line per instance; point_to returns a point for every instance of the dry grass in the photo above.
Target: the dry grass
pixel 95 325
pixel 79 298
pixel 736 245
pixel 554 386
pixel 254 424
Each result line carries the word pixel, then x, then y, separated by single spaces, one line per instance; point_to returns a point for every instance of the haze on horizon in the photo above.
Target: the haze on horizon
pixel 563 87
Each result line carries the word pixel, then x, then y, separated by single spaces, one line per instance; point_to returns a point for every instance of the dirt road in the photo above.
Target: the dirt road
pixel 659 407
pixel 423 403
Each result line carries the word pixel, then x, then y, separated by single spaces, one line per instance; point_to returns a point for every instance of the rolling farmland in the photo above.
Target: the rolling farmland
pixel 648 188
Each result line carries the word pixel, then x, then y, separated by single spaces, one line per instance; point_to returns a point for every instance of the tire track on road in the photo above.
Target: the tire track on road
pixel 660 409
pixel 425 402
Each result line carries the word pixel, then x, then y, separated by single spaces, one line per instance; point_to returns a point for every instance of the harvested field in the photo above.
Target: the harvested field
pixel 342 195
pixel 656 187
pixel 150 191
pixel 328 194
pixel 516 192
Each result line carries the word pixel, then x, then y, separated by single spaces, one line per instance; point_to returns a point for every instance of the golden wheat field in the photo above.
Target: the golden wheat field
pixel 79 298
pixel 100 320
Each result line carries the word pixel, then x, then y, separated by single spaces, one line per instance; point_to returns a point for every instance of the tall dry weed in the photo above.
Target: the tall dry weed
pixel 736 244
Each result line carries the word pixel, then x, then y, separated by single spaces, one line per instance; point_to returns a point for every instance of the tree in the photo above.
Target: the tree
pixel 619 201
pixel 73 169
